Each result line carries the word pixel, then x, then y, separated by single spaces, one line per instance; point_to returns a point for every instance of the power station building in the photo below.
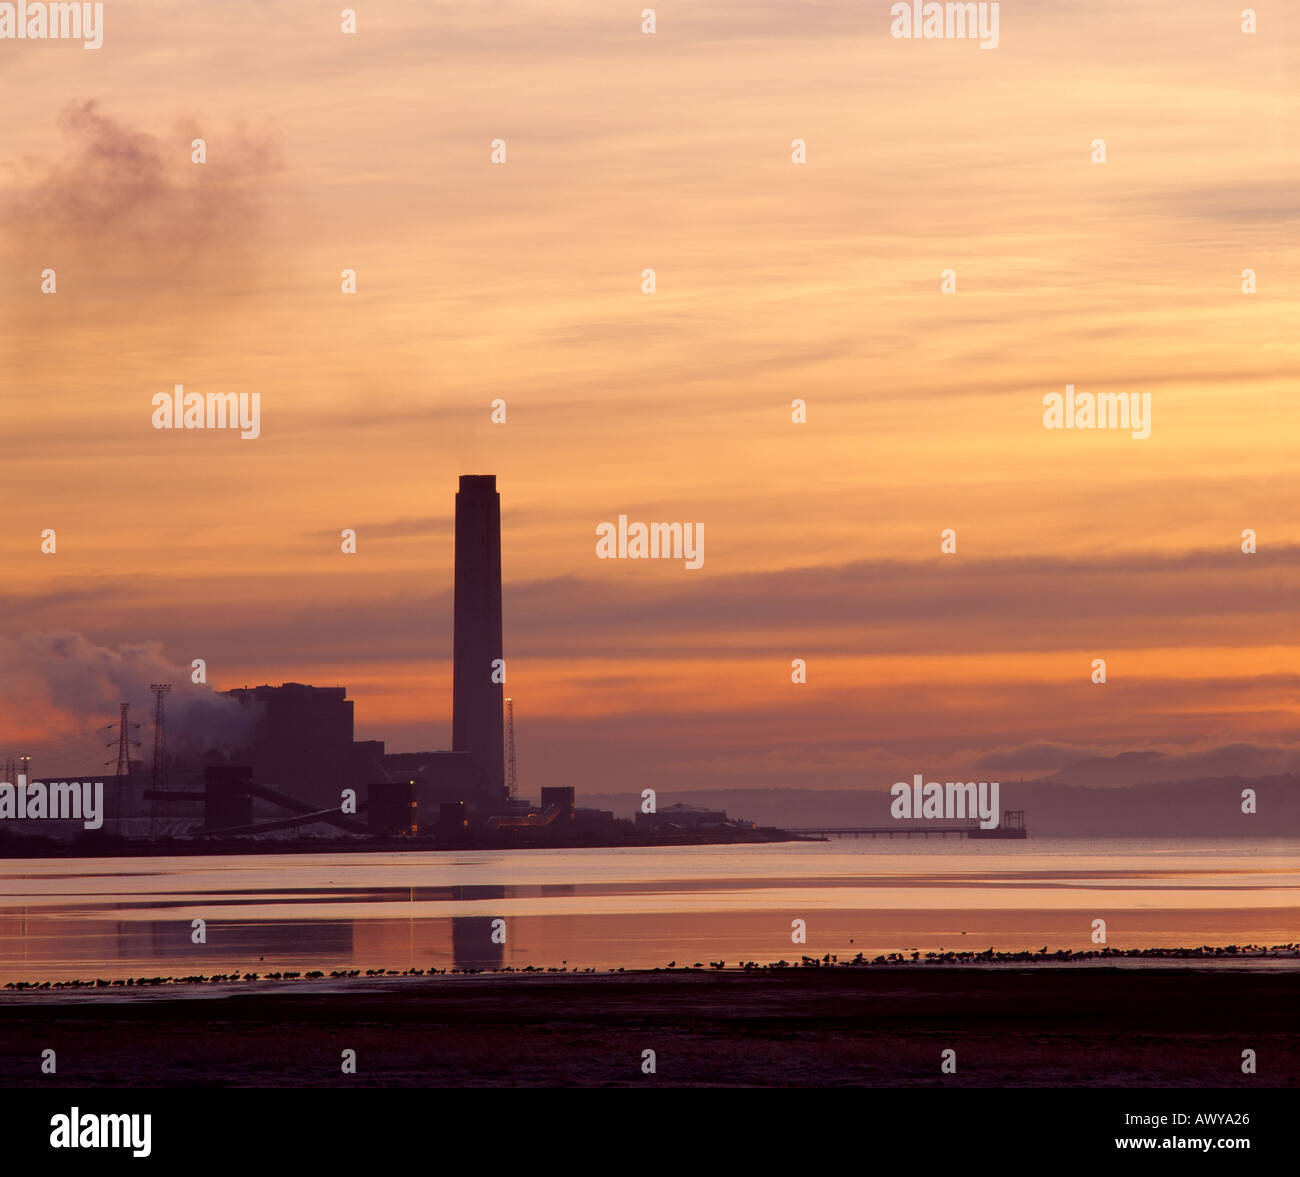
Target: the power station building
pixel 302 741
pixel 297 753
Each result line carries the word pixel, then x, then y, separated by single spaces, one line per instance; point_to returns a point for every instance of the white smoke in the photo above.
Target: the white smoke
pixel 75 686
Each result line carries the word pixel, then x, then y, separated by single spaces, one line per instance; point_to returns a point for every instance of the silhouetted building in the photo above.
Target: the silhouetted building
pixel 368 761
pixel 452 817
pixel 227 800
pixel 597 823
pixel 477 723
pixel 439 776
pixel 391 808
pixel 683 816
pixel 561 796
pixel 302 740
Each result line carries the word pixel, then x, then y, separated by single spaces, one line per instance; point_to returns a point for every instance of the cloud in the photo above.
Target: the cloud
pixel 1029 605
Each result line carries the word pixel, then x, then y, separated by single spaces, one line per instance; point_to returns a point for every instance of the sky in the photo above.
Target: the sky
pixel 774 281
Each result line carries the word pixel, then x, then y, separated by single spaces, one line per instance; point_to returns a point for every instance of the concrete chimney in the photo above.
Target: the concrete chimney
pixel 477 725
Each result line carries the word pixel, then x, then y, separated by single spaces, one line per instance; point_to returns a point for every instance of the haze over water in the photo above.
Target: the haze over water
pixel 634 907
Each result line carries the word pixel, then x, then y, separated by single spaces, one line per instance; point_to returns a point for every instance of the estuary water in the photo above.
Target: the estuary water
pixel 63 919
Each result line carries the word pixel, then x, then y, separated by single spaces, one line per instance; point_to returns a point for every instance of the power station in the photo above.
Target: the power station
pixel 302 736
pixel 300 764
pixel 300 758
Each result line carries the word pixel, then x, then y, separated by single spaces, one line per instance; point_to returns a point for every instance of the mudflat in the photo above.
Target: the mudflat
pixel 1037 1026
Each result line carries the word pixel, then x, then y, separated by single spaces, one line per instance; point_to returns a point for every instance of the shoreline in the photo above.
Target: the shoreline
pixel 1021 1026
pixel 111 846
pixel 1278 959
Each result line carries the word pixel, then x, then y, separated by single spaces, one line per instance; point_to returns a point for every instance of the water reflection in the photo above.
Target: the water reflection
pixel 636 908
pixel 479 942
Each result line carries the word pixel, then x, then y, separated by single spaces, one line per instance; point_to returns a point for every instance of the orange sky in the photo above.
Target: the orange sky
pixel 775 281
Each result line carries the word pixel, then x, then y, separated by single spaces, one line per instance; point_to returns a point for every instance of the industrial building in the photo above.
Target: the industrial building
pixel 687 817
pixel 301 740
pixel 300 768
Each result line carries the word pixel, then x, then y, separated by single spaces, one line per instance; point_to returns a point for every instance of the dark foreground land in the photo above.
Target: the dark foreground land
pixel 1010 1027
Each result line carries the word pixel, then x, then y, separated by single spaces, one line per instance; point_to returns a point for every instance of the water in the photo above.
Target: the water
pixel 62 919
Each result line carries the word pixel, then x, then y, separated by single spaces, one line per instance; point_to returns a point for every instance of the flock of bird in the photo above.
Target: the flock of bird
pixel 1231 951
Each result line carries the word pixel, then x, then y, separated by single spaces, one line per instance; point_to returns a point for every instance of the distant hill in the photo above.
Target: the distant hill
pixel 1196 808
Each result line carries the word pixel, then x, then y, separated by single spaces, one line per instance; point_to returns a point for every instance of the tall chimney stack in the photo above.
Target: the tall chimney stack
pixel 476 709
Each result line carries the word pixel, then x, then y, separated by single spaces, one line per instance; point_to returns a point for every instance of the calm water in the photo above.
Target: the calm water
pixel 81 918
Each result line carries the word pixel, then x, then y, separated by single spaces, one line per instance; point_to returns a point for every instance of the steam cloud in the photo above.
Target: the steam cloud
pixel 118 193
pixel 83 684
